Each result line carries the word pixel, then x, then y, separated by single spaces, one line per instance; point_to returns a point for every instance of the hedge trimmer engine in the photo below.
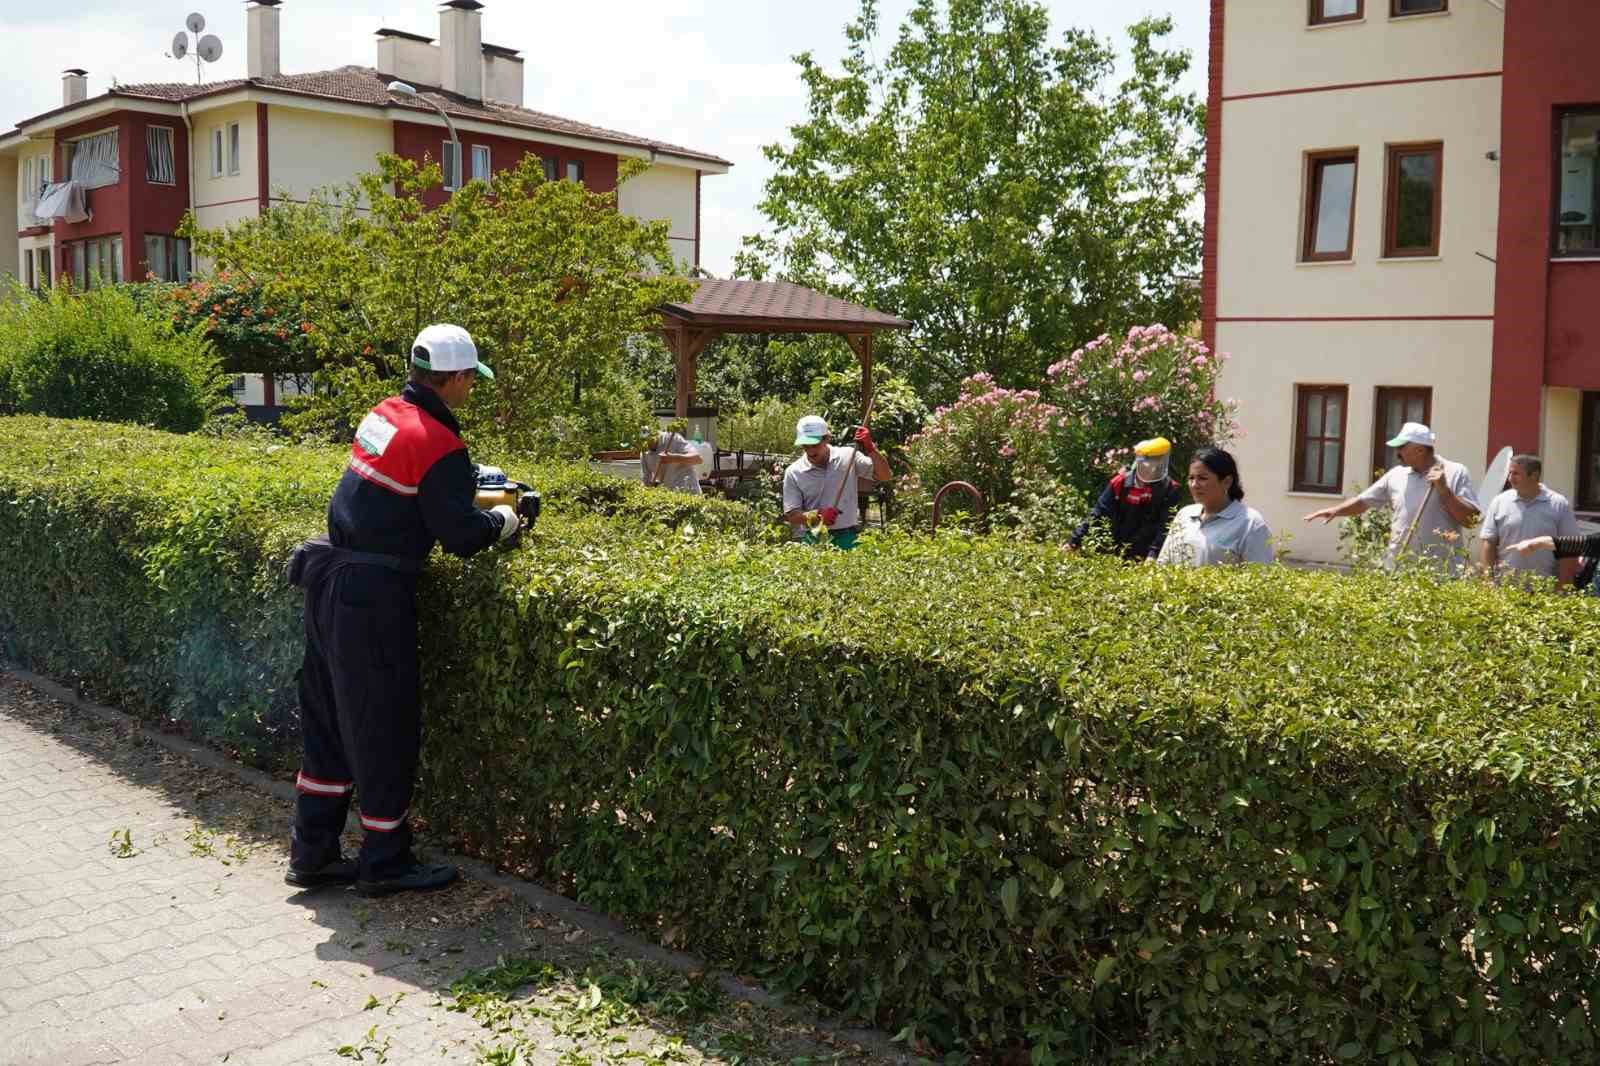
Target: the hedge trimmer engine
pixel 494 489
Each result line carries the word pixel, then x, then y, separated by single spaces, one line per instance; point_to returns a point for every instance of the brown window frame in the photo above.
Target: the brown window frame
pixel 1380 440
pixel 1317 18
pixel 1396 13
pixel 1391 198
pixel 1301 394
pixel 1314 163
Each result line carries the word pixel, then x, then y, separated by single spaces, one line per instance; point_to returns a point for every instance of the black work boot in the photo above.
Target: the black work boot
pixel 336 871
pixel 418 877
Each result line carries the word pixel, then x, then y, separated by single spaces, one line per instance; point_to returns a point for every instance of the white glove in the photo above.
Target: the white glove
pixel 509 519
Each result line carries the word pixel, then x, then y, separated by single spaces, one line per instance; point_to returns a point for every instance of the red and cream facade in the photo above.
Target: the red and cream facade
pixel 238 146
pixel 1400 222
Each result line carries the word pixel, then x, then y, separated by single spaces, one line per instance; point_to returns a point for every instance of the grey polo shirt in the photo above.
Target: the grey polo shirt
pixel 811 488
pixel 681 477
pixel 1510 518
pixel 1403 491
pixel 1235 534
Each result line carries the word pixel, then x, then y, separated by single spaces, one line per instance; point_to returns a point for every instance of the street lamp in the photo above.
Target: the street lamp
pixel 404 89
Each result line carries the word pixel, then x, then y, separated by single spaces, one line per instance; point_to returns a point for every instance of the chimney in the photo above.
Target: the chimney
pixel 461 47
pixel 262 59
pixel 74 86
pixel 502 75
pixel 409 57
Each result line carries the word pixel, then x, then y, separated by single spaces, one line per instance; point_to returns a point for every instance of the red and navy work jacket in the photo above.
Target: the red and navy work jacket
pixel 409 483
pixel 1137 513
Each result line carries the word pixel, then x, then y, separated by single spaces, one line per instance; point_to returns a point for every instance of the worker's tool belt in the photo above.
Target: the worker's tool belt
pixel 315 561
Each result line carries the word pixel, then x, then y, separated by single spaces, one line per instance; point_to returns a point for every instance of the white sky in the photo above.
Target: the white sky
pixel 714 75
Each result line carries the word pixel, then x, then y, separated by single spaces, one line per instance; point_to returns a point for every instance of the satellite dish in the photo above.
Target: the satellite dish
pixel 210 48
pixel 180 46
pixel 196 22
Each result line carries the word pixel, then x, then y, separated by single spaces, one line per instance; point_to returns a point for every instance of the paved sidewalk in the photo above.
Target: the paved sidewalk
pixel 144 918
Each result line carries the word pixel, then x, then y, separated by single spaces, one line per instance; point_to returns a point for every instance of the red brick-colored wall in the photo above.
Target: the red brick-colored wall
pixel 1213 179
pixel 133 207
pixel 1543 330
pixel 413 140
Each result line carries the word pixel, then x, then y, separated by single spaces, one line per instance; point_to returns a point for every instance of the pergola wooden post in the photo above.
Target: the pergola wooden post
pixel 720 307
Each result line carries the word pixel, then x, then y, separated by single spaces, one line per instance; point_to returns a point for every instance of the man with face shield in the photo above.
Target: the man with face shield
pixel 1136 507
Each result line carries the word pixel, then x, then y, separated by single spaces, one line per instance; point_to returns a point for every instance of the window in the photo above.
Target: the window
pixel 552 168
pixel 27 270
pixel 1411 226
pixel 1579 180
pixel 1319 438
pixel 167 258
pixel 96 262
pixel 41 175
pixel 233 148
pixel 46 277
pixel 159 168
pixel 480 162
pixel 575 170
pixel 25 188
pixel 1400 8
pixel 216 152
pixel 1330 206
pixel 1326 11
pixel 1396 407
pixel 450 159
pixel 94 161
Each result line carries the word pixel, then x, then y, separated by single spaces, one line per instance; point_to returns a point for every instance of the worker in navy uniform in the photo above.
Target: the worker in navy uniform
pixel 1136 506
pixel 408 485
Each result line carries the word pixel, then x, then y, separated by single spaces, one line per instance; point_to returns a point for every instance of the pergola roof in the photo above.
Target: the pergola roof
pixel 735 306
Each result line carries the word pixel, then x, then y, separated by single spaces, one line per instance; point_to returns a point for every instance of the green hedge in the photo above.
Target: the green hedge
pixel 1004 797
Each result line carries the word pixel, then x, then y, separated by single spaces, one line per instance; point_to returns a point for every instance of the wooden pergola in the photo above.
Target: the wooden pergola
pixel 719 307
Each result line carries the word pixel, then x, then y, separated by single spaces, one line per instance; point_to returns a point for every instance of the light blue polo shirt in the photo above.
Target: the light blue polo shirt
pixel 1235 534
pixel 1509 518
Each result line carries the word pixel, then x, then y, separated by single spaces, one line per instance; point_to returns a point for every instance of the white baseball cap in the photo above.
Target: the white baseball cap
pixel 447 348
pixel 810 430
pixel 1413 433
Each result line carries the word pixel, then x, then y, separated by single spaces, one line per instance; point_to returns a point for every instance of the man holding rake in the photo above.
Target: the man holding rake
pixel 820 499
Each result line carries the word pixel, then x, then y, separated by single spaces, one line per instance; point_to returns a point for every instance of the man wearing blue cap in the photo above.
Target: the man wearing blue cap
pixel 408 485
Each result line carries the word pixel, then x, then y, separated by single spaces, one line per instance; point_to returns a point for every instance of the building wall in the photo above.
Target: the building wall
pixel 109 206
pixel 309 149
pixel 1270 358
pixel 1543 333
pixel 153 208
pixel 1270 47
pixel 413 140
pixel 10 260
pixel 669 193
pixel 1558 448
pixel 219 199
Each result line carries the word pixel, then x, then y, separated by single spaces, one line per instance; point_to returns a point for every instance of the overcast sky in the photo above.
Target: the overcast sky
pixel 715 75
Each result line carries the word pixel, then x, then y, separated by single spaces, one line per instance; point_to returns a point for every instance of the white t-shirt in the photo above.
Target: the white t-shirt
pixel 1403 491
pixel 811 488
pixel 680 477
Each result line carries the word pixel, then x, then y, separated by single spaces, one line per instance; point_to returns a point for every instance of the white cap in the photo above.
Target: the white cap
pixel 810 430
pixel 447 348
pixel 1413 433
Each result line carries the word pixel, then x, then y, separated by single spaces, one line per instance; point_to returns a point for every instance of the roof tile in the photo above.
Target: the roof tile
pixel 777 301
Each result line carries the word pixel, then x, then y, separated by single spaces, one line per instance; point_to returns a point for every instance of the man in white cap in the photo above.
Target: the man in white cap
pixel 819 488
pixel 408 485
pixel 1430 499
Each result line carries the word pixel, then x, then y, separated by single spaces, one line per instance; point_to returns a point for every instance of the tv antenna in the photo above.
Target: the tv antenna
pixel 207 49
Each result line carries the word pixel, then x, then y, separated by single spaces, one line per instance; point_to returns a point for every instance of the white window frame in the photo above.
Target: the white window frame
pixel 234 149
pixel 481 151
pixel 157 131
pixel 26 188
pixel 452 176
pixel 216 151
pixel 574 171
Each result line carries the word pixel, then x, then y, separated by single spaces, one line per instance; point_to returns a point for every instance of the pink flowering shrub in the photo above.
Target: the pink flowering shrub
pixel 1112 393
pixel 995 438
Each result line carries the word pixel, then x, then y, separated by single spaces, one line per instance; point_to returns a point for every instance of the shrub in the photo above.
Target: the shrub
pixel 997 795
pixel 897 412
pixel 1110 394
pixel 766 426
pixel 96 355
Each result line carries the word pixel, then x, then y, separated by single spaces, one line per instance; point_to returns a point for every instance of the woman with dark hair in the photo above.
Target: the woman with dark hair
pixel 1217 528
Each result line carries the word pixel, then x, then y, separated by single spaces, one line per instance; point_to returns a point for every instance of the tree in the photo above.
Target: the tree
pixel 549 278
pixel 987 186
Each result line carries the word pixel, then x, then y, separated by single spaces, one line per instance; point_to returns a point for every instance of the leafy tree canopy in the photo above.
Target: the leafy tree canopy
pixel 992 187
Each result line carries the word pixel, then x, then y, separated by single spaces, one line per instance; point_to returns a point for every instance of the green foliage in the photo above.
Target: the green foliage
pixel 897 412
pixel 992 187
pixel 1112 393
pixel 251 335
pixel 766 426
pixel 995 795
pixel 1364 538
pixel 96 355
pixel 549 278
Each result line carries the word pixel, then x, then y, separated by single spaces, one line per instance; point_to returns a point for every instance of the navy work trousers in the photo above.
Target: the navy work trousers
pixel 361 715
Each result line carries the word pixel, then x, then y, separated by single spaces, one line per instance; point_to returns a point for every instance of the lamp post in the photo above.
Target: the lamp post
pixel 404 89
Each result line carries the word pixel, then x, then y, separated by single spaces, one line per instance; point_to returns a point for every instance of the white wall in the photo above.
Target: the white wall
pixel 224 196
pixel 1268 47
pixel 665 192
pixel 1268 359
pixel 309 149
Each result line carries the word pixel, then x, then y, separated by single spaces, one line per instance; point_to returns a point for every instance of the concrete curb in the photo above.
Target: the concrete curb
pixel 576 914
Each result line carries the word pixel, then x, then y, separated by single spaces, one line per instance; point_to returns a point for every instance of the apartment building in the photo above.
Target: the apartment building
pixel 100 184
pixel 1400 225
